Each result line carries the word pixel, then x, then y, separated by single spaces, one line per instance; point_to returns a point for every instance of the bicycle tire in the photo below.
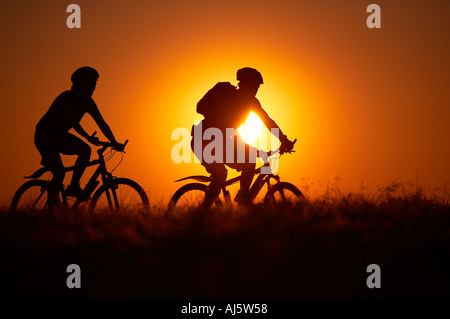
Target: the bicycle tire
pixel 137 201
pixel 31 196
pixel 197 193
pixel 278 195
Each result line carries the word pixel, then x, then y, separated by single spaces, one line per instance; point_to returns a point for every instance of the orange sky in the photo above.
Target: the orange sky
pixel 364 104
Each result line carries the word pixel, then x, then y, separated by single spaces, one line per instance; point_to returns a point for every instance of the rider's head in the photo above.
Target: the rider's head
pixel 249 80
pixel 85 79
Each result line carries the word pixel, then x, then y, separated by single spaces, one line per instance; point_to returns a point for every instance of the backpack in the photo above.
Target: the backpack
pixel 217 100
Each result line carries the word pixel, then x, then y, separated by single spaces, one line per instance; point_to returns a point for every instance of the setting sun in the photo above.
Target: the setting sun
pixel 251 129
pixel 295 45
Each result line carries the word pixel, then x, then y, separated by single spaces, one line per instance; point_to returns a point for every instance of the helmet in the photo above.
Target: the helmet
pixel 84 74
pixel 249 75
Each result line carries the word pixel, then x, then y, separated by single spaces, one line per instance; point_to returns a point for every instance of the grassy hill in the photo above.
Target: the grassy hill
pixel 320 249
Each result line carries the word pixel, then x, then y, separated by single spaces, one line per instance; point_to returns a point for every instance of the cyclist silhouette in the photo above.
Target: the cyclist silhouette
pixel 232 115
pixel 52 135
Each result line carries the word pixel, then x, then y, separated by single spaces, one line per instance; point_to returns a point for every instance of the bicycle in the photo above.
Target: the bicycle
pixel 113 194
pixel 192 195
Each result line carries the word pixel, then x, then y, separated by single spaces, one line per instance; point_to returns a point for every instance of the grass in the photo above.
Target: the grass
pixel 320 249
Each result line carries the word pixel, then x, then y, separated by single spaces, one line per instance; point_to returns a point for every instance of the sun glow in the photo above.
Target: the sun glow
pixel 251 129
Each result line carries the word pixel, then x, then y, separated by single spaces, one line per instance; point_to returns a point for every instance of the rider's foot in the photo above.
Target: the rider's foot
pixel 243 199
pixel 76 191
pixel 209 201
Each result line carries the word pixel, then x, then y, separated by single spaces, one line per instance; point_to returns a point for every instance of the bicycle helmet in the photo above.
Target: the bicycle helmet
pixel 249 75
pixel 84 74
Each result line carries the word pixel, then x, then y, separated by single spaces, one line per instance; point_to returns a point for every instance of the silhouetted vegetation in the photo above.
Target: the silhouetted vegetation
pixel 319 249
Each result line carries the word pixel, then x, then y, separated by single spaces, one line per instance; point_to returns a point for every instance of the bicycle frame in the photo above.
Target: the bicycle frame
pixel 116 193
pixel 264 174
pixel 255 187
pixel 93 182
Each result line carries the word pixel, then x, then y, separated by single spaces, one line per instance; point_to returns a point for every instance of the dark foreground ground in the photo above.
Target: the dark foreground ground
pixel 319 250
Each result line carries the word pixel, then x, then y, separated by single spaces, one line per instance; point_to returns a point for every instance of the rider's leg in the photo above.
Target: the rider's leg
pixel 51 159
pixel 217 170
pixel 248 172
pixel 72 145
pixel 54 163
pixel 218 175
pixel 247 168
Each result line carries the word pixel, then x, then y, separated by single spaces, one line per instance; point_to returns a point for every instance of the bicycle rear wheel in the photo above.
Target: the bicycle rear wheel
pixel 32 196
pixel 190 196
pixel 126 195
pixel 282 194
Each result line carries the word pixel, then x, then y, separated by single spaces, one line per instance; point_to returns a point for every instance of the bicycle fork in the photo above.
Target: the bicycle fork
pixel 111 186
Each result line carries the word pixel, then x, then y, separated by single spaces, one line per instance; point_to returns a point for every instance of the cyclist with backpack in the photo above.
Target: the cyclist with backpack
pixel 52 135
pixel 225 106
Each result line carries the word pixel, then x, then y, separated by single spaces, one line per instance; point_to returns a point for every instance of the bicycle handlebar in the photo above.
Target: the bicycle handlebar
pixel 108 144
pixel 291 150
pixel 278 150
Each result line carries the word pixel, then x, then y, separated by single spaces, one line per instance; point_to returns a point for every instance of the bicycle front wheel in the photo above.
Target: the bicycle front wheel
pixel 125 195
pixel 282 194
pixel 32 196
pixel 190 196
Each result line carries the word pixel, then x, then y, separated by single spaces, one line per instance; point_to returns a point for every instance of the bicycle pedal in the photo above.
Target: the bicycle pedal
pixel 84 199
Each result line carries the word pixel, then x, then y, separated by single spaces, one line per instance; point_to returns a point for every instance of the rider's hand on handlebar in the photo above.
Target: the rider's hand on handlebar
pixel 118 146
pixel 94 140
pixel 287 145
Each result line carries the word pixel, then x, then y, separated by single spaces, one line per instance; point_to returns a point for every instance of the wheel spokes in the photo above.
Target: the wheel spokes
pixel 124 197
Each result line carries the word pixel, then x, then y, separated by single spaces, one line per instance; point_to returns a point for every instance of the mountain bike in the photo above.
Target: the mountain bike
pixel 278 193
pixel 113 193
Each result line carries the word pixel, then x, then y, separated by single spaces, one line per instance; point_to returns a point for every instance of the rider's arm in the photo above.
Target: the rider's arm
pixel 268 121
pixel 81 131
pixel 104 127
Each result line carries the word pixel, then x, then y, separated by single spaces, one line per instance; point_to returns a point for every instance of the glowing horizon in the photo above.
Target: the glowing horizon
pixel 365 105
